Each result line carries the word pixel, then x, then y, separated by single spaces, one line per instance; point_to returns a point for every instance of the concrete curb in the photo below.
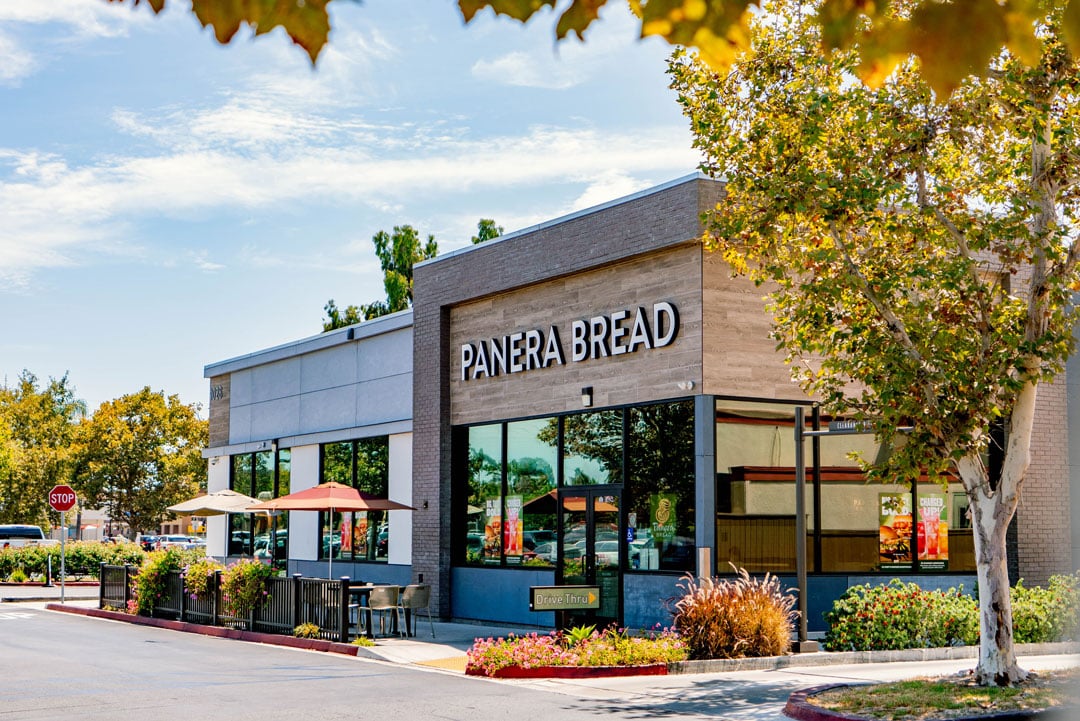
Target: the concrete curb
pixel 843 658
pixel 272 639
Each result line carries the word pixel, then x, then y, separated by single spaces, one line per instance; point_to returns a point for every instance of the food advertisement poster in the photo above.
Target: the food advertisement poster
pixel 513 531
pixel 895 527
pixel 933 532
pixel 492 529
pixel 894 531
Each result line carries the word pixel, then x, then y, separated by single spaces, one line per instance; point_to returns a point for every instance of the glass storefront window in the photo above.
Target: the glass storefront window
pixel 661 487
pixel 593 445
pixel 364 465
pixel 262 476
pixel 511 483
pixel 532 456
pixel 484 512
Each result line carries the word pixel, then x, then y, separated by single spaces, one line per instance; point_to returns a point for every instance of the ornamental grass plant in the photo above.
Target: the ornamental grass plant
pixel 735 618
pixel 610 647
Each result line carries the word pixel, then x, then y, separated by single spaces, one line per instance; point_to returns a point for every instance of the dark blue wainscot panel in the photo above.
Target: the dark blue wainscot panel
pixel 498 595
pixel 823 590
pixel 647 598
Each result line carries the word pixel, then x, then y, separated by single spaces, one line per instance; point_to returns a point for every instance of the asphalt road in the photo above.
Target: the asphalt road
pixel 55 665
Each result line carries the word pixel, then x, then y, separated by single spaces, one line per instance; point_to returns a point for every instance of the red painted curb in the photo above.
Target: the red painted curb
pixel 272 639
pixel 41 584
pixel 653 669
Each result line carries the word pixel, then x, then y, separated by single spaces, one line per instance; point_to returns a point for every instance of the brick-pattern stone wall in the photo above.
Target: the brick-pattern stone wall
pixel 219 410
pixel 740 359
pixel 644 225
pixel 647 374
pixel 1043 517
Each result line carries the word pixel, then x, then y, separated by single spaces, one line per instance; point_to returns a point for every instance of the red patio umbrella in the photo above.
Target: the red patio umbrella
pixel 332 497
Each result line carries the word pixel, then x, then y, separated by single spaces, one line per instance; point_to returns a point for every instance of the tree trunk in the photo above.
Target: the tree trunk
pixel 992 510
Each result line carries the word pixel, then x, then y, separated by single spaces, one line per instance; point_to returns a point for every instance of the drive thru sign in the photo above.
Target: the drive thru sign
pixel 62 498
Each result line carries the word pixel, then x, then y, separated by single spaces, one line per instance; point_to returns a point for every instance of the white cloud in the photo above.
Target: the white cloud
pixel 202 262
pixel 529 70
pixel 54 212
pixel 16 62
pixel 70 21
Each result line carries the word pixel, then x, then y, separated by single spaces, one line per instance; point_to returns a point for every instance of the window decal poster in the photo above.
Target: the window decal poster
pixel 513 532
pixel 894 531
pixel 931 528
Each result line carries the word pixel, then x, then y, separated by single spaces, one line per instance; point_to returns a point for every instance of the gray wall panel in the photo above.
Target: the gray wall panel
pixel 385 399
pixel 328 409
pixel 275 380
pixel 329 368
pixel 385 355
pixel 276 418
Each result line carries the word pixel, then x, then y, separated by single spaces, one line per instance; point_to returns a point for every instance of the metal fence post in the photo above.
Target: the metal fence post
pixel 127 585
pixel 343 608
pixel 101 585
pixel 296 599
pixel 215 602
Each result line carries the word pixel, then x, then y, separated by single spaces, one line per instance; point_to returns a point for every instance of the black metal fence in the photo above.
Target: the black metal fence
pixel 288 603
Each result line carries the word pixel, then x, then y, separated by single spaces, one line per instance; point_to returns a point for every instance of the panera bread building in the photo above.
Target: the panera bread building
pixel 593 401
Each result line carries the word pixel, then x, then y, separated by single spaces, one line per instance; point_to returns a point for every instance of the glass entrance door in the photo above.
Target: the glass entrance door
pixel 590 553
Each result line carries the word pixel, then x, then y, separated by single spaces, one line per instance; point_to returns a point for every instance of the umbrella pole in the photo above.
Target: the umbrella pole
pixel 330 548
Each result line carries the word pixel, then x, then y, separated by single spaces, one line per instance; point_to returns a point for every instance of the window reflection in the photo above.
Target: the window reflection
pixel 593 448
pixel 531 459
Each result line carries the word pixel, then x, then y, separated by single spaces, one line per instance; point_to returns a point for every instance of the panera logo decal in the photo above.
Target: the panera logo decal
pixel 602 336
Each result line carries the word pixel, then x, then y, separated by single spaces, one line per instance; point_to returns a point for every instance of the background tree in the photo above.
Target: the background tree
pixel 139 454
pixel 397 252
pixel 36 427
pixel 953 39
pixel 486 229
pixel 923 253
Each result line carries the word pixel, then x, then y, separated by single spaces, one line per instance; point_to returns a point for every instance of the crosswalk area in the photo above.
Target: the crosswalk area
pixel 15 615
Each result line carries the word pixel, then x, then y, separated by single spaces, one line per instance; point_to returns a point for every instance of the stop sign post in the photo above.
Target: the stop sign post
pixel 62 498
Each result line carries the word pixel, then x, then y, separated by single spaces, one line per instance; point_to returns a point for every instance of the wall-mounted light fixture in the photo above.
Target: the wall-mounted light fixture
pixel 425 505
pixel 586 396
pixel 685 385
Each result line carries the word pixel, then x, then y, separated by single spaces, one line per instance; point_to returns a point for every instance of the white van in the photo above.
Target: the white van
pixel 18 534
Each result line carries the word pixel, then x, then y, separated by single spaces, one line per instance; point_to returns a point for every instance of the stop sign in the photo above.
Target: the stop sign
pixel 62 498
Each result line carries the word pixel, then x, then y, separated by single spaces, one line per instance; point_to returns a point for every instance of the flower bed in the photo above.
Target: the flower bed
pixel 579 653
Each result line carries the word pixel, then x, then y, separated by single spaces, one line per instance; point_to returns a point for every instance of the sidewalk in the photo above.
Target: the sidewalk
pixel 23 593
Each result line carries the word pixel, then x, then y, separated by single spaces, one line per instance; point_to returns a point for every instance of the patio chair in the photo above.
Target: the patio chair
pixel 384 599
pixel 417 596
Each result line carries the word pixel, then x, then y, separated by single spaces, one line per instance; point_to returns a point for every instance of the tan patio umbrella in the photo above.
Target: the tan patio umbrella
pixel 215 504
pixel 332 497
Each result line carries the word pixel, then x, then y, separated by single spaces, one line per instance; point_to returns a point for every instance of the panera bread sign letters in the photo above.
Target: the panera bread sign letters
pixel 602 336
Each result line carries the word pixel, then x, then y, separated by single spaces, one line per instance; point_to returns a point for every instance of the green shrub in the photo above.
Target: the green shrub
pixel 18 576
pixel 243 586
pixel 900 615
pixel 306 630
pixel 150 582
pixel 1042 615
pixel 9 561
pixel 197 575
pixel 734 618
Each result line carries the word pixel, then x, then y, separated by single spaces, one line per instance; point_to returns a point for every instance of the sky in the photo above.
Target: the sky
pixel 167 202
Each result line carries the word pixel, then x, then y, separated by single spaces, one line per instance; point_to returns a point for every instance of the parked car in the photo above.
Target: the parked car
pixel 19 534
pixel 148 542
pixel 607 553
pixel 169 541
